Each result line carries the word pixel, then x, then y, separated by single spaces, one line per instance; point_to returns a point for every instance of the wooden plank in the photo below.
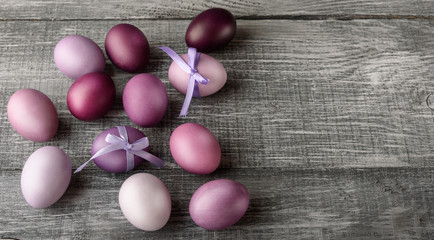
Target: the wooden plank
pixel 137 9
pixel 300 94
pixel 339 204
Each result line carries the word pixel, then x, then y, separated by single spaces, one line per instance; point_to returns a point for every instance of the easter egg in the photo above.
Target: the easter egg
pixel 145 100
pixel 91 96
pixel 219 204
pixel 208 67
pixel 45 176
pixel 127 48
pixel 145 201
pixel 211 29
pixel 115 161
pixel 77 55
pixel 195 148
pixel 33 115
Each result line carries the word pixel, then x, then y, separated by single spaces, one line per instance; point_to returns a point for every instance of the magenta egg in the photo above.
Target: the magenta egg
pixel 208 67
pixel 195 148
pixel 45 176
pixel 219 204
pixel 91 96
pixel 33 115
pixel 77 55
pixel 211 29
pixel 127 48
pixel 115 161
pixel 145 100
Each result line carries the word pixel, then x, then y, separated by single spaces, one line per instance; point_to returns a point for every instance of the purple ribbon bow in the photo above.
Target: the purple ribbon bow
pixel 190 68
pixel 131 149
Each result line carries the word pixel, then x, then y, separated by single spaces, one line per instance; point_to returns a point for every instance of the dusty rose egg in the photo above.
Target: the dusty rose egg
pixel 145 201
pixel 45 176
pixel 211 29
pixel 219 204
pixel 115 161
pixel 145 100
pixel 208 67
pixel 77 55
pixel 195 148
pixel 33 115
pixel 127 48
pixel 91 96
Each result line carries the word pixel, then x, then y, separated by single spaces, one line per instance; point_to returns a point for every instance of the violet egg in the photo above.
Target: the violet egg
pixel 127 48
pixel 145 100
pixel 219 204
pixel 45 176
pixel 115 161
pixel 208 67
pixel 91 96
pixel 211 29
pixel 33 115
pixel 77 55
pixel 145 201
pixel 195 148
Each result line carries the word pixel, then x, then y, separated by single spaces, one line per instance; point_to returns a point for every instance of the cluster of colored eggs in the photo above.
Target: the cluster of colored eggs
pixel 143 198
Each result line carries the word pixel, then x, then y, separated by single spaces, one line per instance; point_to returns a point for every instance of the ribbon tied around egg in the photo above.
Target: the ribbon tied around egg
pixel 189 68
pixel 131 149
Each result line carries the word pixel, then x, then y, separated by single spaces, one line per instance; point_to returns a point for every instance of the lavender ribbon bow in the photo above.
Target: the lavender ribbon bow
pixel 131 149
pixel 190 68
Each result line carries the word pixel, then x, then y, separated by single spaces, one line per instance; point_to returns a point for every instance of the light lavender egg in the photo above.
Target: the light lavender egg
pixel 33 115
pixel 219 204
pixel 45 176
pixel 77 55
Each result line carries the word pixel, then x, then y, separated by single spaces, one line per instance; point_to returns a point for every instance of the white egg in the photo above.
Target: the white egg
pixel 145 201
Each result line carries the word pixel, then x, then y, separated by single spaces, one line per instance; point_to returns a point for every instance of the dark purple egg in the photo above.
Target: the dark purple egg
pixel 145 99
pixel 211 29
pixel 127 48
pixel 115 161
pixel 91 96
pixel 219 204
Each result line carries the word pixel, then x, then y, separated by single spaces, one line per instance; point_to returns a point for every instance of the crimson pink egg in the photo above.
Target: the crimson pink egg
pixel 195 148
pixel 127 48
pixel 91 96
pixel 211 30
pixel 145 100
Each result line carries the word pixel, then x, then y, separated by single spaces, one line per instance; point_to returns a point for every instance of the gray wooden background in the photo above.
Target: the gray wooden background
pixel 323 118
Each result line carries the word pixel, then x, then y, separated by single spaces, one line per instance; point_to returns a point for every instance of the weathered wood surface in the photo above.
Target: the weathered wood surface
pixel 324 121
pixel 186 9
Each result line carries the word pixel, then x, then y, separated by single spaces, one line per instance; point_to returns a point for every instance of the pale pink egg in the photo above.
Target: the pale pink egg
pixel 208 67
pixel 33 115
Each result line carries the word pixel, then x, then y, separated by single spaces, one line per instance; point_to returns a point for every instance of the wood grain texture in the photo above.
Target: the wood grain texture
pixel 324 121
pixel 187 9
pixel 390 203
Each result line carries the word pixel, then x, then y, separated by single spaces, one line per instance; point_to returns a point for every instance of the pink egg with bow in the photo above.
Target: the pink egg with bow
pixel 208 67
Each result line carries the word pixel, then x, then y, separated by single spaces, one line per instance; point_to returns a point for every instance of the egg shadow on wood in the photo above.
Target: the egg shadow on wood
pixel 63 130
pixel 74 191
